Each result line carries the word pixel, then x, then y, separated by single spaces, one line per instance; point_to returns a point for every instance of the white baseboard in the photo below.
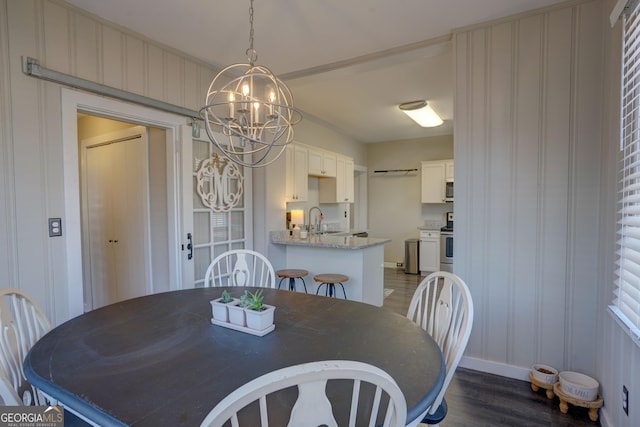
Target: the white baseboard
pixel 392 265
pixel 518 373
pixel 502 369
pixel 604 418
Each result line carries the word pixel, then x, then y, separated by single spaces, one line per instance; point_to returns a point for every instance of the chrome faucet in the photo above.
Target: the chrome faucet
pixel 318 223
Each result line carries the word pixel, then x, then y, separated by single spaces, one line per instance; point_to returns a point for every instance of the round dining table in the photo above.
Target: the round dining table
pixel 159 361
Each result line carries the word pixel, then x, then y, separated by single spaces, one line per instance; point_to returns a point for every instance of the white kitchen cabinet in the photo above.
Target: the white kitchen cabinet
pixel 448 170
pixel 344 179
pixel 429 251
pixel 435 175
pixel 341 188
pixel 297 171
pixel 322 163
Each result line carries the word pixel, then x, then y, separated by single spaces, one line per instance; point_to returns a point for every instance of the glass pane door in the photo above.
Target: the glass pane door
pixel 223 227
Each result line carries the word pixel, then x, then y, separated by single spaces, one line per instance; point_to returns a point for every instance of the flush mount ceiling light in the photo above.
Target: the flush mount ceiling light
pixel 248 112
pixel 421 113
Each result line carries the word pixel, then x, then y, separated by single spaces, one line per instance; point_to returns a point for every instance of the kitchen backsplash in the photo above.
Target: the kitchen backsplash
pixel 336 215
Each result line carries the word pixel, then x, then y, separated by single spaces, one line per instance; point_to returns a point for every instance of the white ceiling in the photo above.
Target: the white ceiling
pixel 348 63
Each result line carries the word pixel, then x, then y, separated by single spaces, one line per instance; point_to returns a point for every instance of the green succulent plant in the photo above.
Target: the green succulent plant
pixel 254 300
pixel 226 297
pixel 244 300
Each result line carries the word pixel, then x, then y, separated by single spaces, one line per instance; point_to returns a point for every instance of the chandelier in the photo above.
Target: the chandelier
pixel 248 112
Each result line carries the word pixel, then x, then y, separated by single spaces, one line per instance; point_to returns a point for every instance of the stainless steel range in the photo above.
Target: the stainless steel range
pixel 446 245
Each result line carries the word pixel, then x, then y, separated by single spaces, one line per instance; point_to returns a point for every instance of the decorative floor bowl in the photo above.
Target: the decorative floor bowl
pixel 544 373
pixel 579 386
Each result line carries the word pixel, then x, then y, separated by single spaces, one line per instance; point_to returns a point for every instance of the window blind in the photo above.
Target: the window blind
pixel 626 301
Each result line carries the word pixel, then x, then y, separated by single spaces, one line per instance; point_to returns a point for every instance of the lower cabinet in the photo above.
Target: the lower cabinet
pixel 429 251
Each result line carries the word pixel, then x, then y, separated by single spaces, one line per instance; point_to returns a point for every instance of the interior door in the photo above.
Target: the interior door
pixel 99 228
pixel 116 219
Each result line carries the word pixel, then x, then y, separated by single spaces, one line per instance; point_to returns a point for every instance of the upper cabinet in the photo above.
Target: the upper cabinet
pixel 322 163
pixel 448 170
pixel 297 170
pixel 340 188
pixel 437 181
pixel 344 180
pixel 335 173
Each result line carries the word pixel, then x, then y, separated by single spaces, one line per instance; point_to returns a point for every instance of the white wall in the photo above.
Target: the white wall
pixel 618 358
pixel 310 132
pixel 527 151
pixel 8 274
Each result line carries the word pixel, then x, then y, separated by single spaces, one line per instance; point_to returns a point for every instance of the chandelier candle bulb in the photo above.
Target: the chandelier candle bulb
pixel 256 106
pixel 232 107
pixel 245 98
pixel 272 99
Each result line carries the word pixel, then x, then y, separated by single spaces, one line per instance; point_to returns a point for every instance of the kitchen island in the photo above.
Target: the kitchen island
pixel 360 258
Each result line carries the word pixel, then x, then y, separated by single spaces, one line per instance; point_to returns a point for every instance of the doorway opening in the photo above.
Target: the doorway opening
pixel 123 184
pixel 176 133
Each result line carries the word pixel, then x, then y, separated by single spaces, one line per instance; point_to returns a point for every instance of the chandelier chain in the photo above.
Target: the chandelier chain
pixel 252 55
pixel 248 112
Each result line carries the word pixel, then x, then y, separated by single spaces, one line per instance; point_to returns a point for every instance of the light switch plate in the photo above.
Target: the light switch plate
pixel 55 227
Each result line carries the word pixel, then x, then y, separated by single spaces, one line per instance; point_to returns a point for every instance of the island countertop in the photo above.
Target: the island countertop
pixel 327 241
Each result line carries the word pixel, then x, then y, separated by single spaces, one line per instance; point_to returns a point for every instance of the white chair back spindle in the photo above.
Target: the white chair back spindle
pixel 240 267
pixel 23 323
pixel 313 407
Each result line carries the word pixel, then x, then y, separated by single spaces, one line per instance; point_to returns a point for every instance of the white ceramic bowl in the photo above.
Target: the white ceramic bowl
pixel 579 386
pixel 544 373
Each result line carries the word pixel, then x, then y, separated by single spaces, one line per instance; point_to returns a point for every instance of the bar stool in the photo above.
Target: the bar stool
pixel 292 275
pixel 330 281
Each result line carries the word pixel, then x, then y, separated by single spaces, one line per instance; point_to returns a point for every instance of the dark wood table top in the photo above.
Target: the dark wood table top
pixel 158 361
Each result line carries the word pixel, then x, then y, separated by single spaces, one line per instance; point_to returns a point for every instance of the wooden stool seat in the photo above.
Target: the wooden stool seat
pixel 330 280
pixel 292 274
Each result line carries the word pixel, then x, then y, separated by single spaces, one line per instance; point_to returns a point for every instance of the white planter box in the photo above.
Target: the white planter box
pixel 260 320
pixel 220 309
pixel 236 315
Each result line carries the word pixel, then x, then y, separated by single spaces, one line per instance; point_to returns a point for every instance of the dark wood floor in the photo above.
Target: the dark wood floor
pixel 479 399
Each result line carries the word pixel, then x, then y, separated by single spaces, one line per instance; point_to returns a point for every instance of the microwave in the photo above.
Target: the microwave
pixel 448 191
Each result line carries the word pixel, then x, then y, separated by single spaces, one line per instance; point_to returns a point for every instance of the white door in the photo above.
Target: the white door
pixel 116 217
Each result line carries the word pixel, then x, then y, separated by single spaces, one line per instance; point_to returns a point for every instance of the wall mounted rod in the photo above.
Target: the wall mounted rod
pixel 31 67
pixel 396 170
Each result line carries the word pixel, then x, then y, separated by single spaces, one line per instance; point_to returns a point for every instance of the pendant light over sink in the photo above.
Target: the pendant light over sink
pixel 248 112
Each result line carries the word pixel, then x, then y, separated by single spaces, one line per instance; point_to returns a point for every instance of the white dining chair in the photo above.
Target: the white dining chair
pixel 240 267
pixel 313 407
pixel 23 323
pixel 442 306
